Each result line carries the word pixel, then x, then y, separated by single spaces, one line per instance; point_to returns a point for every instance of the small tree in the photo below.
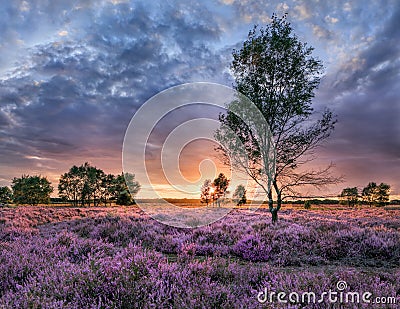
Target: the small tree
pixel 109 185
pixel 207 192
pixel 31 190
pixel 5 195
pixel 70 185
pixel 369 193
pixel 220 184
pixel 307 204
pixel 96 184
pixel 349 196
pixel 126 189
pixel 383 194
pixel 376 195
pixel 239 196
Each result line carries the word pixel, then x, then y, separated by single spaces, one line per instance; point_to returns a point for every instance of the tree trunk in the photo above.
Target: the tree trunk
pixel 270 201
pixel 274 213
pixel 279 202
pixel 274 210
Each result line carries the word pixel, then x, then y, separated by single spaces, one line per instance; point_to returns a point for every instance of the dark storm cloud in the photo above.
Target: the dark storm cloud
pixel 369 93
pixel 4 122
pixel 25 23
pixel 377 65
pixel 367 102
pixel 72 99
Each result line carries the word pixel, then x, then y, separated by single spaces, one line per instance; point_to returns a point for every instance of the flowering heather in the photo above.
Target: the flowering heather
pixel 120 258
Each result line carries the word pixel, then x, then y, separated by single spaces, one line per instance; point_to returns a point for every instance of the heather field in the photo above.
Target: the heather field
pixel 118 257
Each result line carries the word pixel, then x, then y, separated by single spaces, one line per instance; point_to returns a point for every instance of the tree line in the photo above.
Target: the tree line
pixel 83 185
pixel 214 192
pixel 372 194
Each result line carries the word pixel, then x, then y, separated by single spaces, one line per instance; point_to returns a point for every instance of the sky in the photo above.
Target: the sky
pixel 73 73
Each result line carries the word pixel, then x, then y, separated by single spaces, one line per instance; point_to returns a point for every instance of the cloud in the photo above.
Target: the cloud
pixel 347 7
pixel 282 7
pixel 63 33
pixel 321 32
pixel 374 66
pixel 332 20
pixel 363 93
pixel 24 6
pixel 227 2
pixel 70 101
pixel 252 11
pixel 303 12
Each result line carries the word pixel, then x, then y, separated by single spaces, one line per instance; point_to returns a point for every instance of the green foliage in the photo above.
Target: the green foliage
pixel 307 204
pixel 124 198
pixel 239 196
pixel 125 189
pixel 220 185
pixel 5 195
pixel 368 193
pixel 349 196
pixel 383 194
pixel 82 184
pixel 376 195
pixel 70 185
pixel 31 190
pixel 86 183
pixel 278 73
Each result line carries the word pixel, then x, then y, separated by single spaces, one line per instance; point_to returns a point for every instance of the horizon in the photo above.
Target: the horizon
pixel 70 86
